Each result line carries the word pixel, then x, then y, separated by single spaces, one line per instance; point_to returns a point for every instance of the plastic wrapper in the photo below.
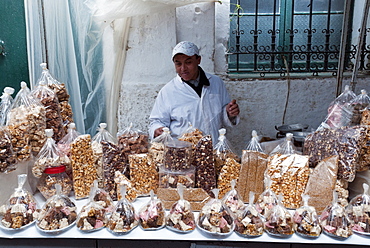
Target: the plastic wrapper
pixel 64 145
pixel 61 92
pixel 121 180
pixel 143 174
pixel 346 142
pixel 26 124
pixel 123 219
pixel 170 179
pixel 132 141
pixel 279 221
pixel 230 172
pixel 8 159
pixel 358 212
pixel 321 183
pixel 335 221
pixel 289 176
pixel 191 135
pixel 94 215
pixel 339 111
pixel 249 223
pixel 156 149
pixel 152 214
pixel 83 167
pixel 364 161
pixel 306 220
pixel 101 197
pixel 97 145
pixel 215 218
pixel 177 156
pixel 205 175
pixel 223 150
pixel 267 200
pixel 6 104
pixel 50 101
pixel 58 214
pixel 286 147
pixel 20 209
pixel 181 217
pixel 233 200
pixel 358 105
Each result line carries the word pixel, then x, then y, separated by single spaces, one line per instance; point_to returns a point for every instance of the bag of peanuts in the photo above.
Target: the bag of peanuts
pixel 156 149
pixel 339 111
pixel 61 93
pixel 103 136
pixel 27 123
pixel 286 147
pixel 132 141
pixel 192 135
pixel 6 104
pixel 233 200
pixel 358 105
pixel 223 150
pixel 253 166
pixel 123 219
pixel 358 211
pixel 49 100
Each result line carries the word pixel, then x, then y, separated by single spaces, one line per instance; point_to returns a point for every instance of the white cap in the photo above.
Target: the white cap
pixel 185 47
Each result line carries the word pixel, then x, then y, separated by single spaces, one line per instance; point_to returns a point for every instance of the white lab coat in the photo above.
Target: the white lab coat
pixel 177 105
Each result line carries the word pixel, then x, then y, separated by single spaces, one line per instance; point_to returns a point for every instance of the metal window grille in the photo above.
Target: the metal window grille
pixel 302 36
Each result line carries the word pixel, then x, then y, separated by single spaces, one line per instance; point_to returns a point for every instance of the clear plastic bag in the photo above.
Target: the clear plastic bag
pixel 21 207
pixel 192 135
pixel 121 180
pixel 58 214
pixel 286 147
pixel 249 223
pixel 233 200
pixel 8 159
pixel 254 144
pixel 64 145
pixel 223 150
pixel 358 212
pixel 157 145
pixel 335 221
pixel 101 197
pixel 6 104
pixel 278 221
pixel 143 174
pixel 230 172
pixel 123 219
pixel 215 218
pixel 267 200
pixel 181 217
pixel 152 214
pixel 306 220
pixel 358 105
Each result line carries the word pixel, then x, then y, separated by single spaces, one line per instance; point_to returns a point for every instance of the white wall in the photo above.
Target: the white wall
pixel 149 67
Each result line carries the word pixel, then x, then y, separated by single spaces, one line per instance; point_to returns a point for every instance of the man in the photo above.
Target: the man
pixel 192 97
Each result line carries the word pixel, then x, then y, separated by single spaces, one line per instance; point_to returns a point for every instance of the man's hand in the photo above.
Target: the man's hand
pixel 232 109
pixel 158 131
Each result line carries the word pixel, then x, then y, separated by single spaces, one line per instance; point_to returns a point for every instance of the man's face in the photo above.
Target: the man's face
pixel 187 66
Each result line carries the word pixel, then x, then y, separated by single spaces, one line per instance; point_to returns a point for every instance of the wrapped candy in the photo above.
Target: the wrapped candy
pixel 249 223
pixel 152 214
pixel 58 214
pixel 93 216
pixel 156 150
pixel 181 217
pixel 6 104
pixel 215 218
pixel 278 221
pixel 233 200
pixel 267 200
pixel 358 212
pixel 286 147
pixel 335 221
pixel 123 219
pixel 20 210
pixel 306 220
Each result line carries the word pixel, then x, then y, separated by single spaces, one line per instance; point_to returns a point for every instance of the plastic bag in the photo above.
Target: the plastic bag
pixel 102 136
pixel 93 216
pixel 49 100
pixel 123 219
pixel 132 141
pixel 230 172
pixel 8 159
pixel 156 150
pixel 181 217
pixel 286 147
pixel 64 145
pixel 101 197
pixel 339 111
pixel 254 144
pixel 121 180
pixel 267 200
pixel 21 207
pixel 192 135
pixel 249 223
pixel 152 214
pixel 215 217
pixel 6 104
pixel 306 221
pixel 358 212
pixel 58 214
pixel 335 221
pixel 279 221
pixel 27 123
pixel 223 150
pixel 143 174
pixel 359 104
pixel 233 200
